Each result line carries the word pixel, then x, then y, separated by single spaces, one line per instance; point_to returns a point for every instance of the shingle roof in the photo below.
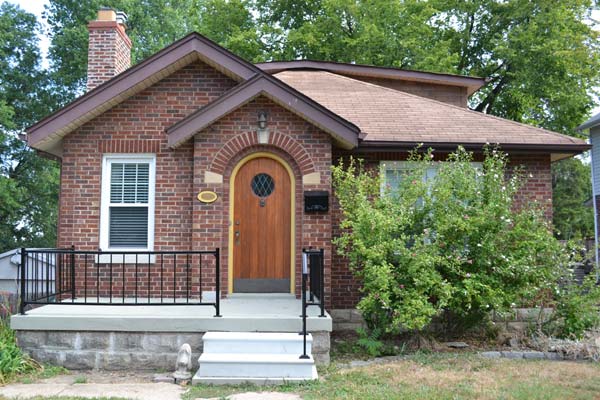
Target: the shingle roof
pixel 388 115
pixel 471 83
pixel 343 132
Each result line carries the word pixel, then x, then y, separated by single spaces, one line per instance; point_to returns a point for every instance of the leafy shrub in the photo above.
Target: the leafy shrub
pixel 370 341
pixel 12 360
pixel 575 309
pixel 455 243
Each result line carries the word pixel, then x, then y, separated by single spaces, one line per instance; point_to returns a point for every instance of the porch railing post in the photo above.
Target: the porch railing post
pixel 304 276
pixel 73 273
pixel 217 282
pixel 322 282
pixel 22 281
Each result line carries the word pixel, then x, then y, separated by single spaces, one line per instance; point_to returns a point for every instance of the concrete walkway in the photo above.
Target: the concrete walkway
pixel 133 391
pixel 130 391
pixel 130 385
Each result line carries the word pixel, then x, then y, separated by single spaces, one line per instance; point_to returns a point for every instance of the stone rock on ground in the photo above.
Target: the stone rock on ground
pixel 259 396
pixel 457 345
pixel 134 391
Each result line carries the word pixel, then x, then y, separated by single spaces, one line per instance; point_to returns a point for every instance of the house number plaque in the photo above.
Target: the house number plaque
pixel 207 196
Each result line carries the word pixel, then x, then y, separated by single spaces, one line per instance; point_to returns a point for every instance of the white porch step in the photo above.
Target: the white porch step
pixel 255 368
pixel 256 357
pixel 255 343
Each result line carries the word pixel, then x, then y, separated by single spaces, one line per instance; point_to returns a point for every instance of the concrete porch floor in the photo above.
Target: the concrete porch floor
pixel 240 312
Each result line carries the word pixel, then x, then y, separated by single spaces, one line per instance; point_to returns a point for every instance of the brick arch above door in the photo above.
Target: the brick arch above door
pixel 246 140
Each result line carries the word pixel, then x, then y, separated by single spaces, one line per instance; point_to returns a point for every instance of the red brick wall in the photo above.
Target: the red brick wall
pixel 181 222
pixel 109 52
pixel 454 95
pixel 538 187
pixel 220 147
pixel 137 126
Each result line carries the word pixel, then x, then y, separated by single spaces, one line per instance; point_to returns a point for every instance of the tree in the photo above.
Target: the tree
pixel 28 183
pixel 540 57
pixel 152 25
pixel 379 32
pixel 571 188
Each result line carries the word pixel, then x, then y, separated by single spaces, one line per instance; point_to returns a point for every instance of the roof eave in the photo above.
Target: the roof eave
pixel 590 123
pixel 193 43
pixel 573 149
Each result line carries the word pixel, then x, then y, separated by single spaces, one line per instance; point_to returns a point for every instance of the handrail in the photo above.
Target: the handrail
pixel 313 272
pixel 84 277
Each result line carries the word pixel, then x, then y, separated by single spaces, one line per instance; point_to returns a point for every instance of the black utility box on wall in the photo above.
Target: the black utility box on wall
pixel 316 200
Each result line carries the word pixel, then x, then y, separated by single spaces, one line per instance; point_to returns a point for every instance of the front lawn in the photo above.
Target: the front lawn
pixel 443 376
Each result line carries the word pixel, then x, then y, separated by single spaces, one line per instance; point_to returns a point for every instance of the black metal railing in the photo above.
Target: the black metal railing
pixel 69 276
pixel 313 286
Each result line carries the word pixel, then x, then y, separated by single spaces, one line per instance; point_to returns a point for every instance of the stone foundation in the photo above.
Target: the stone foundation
pixel 113 351
pixel 521 320
pixel 346 319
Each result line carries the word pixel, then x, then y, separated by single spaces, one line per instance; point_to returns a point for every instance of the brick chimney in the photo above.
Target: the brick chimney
pixel 109 51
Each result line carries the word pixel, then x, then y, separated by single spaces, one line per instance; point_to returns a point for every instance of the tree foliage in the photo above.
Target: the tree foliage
pixel 28 183
pixel 453 244
pixel 152 25
pixel 571 188
pixel 540 57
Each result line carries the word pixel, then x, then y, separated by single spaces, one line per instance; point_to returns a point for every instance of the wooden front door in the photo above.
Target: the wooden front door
pixel 262 220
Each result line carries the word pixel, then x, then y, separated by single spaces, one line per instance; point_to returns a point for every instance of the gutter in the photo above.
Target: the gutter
pixel 368 146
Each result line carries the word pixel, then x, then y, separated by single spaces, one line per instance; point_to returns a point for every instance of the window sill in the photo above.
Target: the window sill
pixel 125 258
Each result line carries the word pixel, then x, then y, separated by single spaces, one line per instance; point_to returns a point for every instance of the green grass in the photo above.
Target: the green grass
pixel 442 376
pixel 80 380
pixel 13 362
pixel 45 372
pixel 16 366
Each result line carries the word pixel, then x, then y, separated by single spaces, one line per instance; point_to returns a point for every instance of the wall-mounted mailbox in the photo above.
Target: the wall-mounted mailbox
pixel 316 200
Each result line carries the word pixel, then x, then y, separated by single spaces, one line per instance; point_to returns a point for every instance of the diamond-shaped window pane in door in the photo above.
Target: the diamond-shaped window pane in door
pixel 262 185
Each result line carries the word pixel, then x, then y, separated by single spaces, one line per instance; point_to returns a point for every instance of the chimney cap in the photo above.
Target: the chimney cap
pixel 106 14
pixel 121 18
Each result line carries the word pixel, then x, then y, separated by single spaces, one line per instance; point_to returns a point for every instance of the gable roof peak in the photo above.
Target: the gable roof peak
pixel 46 135
pixel 343 132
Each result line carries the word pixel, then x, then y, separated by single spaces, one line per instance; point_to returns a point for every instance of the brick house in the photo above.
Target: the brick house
pixel 195 149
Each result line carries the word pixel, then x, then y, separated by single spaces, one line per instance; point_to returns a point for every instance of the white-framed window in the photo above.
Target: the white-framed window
pixel 394 170
pixel 127 203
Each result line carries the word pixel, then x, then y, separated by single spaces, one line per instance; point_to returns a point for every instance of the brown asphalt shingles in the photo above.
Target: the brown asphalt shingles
pixel 385 114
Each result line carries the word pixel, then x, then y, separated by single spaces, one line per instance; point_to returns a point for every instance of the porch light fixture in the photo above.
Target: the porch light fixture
pixel 262 131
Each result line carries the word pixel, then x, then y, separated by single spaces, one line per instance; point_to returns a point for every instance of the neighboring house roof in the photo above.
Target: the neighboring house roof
pixel 388 117
pixel 348 109
pixel 472 84
pixel 344 132
pixel 10 254
pixel 590 123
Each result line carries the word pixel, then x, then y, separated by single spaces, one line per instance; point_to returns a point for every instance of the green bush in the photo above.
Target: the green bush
pixel 455 243
pixel 575 308
pixel 12 360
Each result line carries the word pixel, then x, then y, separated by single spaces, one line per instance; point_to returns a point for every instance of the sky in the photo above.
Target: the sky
pixel 37 7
